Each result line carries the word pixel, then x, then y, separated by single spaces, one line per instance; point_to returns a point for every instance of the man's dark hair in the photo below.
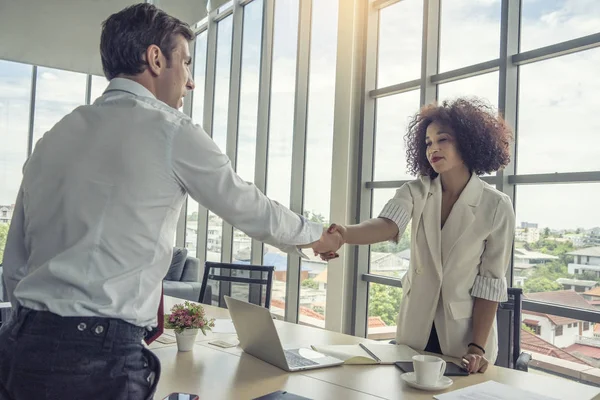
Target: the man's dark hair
pixel 126 36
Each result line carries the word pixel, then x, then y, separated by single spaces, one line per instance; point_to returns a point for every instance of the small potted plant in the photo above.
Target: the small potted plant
pixel 186 319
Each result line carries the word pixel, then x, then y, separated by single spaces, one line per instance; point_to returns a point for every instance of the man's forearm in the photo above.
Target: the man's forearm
pixel 484 313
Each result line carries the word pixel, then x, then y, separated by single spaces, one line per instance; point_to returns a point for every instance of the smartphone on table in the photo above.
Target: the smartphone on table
pixel 182 396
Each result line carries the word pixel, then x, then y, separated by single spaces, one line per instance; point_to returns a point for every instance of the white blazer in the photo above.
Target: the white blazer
pixel 468 258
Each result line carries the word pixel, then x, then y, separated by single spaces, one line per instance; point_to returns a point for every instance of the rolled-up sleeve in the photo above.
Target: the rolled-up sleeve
pixel 399 209
pixel 207 175
pixel 490 283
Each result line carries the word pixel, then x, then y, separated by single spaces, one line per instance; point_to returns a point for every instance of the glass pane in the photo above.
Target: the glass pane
pixel 246 150
pixel 219 133
pixel 191 230
pixel 242 247
pixel 384 305
pixel 99 84
pixel 557 238
pixel 214 238
pixel 251 50
pixel 400 38
pixel 387 258
pixel 393 115
pixel 57 94
pixel 477 20
pixel 560 343
pixel 191 227
pixel 15 93
pixel 549 22
pixel 482 86
pixel 556 130
pixel 199 78
pixel 222 78
pixel 319 150
pixel 281 127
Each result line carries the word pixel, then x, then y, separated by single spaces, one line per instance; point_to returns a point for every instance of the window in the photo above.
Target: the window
pixel 554 133
pixel 393 114
pixel 192 210
pixel 281 130
pixel 565 216
pixel 483 86
pixel 99 84
pixel 246 148
pixel 477 20
pixel 549 22
pixel 15 94
pixel 319 153
pixel 391 260
pixel 537 329
pixel 558 331
pixel 384 305
pixel 57 94
pixel 400 39
pixel 586 326
pixel 219 133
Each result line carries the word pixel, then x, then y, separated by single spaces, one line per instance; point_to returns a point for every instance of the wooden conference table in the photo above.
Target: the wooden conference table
pixel 216 373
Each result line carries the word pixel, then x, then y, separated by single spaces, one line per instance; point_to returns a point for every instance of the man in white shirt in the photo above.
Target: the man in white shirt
pixel 91 236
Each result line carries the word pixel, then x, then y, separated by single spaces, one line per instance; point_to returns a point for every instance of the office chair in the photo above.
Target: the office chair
pixel 224 275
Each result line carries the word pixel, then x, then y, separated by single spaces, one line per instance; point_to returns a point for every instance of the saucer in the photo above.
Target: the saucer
pixel 411 379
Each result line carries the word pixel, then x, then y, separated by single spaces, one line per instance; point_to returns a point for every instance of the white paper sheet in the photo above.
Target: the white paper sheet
pixel 224 325
pixel 491 390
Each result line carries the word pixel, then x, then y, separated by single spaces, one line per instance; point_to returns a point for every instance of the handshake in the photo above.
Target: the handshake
pixel 330 242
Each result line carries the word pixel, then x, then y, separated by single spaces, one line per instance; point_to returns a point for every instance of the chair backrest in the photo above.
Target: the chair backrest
pixel 251 277
pixel 509 329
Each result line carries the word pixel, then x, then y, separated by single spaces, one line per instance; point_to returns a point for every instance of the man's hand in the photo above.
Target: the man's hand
pixel 328 244
pixel 474 361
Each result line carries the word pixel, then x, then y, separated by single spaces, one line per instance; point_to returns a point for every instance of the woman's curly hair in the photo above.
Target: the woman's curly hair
pixel 482 137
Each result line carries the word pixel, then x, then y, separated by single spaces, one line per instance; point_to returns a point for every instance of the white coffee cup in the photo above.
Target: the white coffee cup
pixel 428 369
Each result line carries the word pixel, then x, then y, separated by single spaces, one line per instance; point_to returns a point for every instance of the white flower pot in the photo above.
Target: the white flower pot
pixel 186 339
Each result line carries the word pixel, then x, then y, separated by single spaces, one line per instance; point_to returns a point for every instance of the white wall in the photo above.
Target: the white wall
pixel 568 336
pixel 65 34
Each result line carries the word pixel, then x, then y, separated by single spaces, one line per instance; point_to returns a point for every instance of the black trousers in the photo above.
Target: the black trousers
pixel 433 344
pixel 46 356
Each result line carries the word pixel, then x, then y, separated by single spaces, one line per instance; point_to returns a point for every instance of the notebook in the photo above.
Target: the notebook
pixel 368 353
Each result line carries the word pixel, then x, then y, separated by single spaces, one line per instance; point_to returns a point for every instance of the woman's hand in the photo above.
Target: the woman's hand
pixel 474 361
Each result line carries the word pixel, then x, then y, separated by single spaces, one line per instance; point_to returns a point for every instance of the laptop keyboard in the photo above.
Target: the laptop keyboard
pixel 295 360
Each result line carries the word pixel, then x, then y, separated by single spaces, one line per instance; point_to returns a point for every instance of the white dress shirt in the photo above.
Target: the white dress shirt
pixel 93 226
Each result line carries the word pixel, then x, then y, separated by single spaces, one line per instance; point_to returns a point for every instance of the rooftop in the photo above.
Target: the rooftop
pixel 564 297
pixel 593 292
pixel 589 351
pixel 576 282
pixel 556 320
pixel 523 253
pixel 534 343
pixel 588 251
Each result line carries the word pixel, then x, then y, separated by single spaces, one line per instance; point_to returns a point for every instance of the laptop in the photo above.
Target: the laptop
pixel 258 337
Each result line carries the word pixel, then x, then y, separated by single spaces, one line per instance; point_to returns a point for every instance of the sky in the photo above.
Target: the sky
pixel 558 99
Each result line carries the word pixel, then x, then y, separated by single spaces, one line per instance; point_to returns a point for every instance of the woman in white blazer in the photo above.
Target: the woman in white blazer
pixel 461 236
